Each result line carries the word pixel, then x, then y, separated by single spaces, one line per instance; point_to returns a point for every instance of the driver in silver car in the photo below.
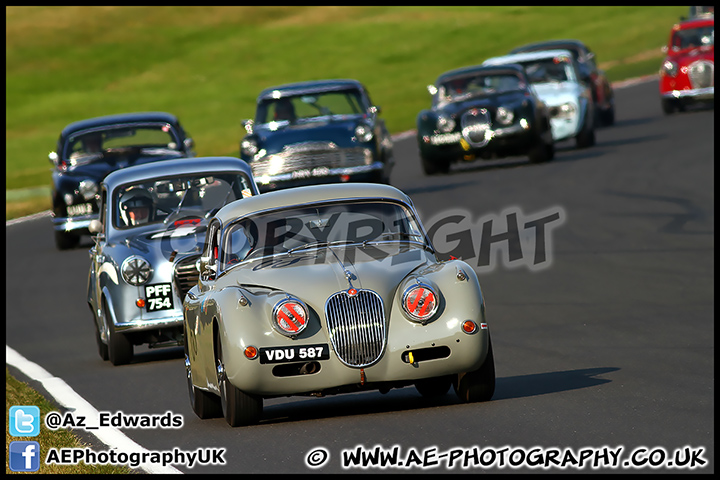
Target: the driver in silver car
pixel 136 207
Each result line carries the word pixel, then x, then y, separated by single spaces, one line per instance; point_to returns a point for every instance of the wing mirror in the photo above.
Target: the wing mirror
pixel 432 89
pixel 203 266
pixel 189 144
pixel 53 157
pixel 247 125
pixel 95 226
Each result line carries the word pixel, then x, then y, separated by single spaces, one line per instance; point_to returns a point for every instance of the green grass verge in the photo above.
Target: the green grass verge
pixel 19 393
pixel 207 64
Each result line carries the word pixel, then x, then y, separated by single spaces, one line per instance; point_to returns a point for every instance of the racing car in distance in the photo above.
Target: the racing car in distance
pixel 483 112
pixel 323 131
pixel 687 75
pixel 556 79
pixel 147 239
pixel 87 150
pixel 589 72
pixel 329 289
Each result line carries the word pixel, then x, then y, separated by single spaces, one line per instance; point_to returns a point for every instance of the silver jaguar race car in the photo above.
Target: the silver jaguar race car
pixel 329 289
pixel 149 235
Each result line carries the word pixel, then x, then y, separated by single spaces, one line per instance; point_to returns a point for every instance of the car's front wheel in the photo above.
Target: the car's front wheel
pixel 102 347
pixel 434 166
pixel 120 349
pixel 204 404
pixel 607 116
pixel 478 385
pixel 66 241
pixel 671 105
pixel 586 137
pixel 238 407
pixel 542 152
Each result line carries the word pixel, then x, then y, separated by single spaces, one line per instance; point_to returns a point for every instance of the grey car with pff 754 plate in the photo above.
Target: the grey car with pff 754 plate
pixel 148 237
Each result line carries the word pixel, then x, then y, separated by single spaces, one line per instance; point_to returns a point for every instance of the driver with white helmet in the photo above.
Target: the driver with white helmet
pixel 136 207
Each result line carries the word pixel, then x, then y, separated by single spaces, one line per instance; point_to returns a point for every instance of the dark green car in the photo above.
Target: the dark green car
pixel 483 112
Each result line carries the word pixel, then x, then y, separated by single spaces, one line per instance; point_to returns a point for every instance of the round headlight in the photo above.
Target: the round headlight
pixel 504 116
pixel 669 68
pixel 420 302
pixel 88 189
pixel 248 147
pixel 136 270
pixel 363 133
pixel 290 316
pixel 445 124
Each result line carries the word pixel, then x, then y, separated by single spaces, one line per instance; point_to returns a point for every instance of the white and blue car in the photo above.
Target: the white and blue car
pixel 555 78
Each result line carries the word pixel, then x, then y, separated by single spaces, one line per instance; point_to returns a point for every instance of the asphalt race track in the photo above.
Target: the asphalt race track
pixel 606 343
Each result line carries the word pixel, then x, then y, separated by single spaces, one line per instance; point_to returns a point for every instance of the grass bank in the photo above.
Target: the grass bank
pixel 207 64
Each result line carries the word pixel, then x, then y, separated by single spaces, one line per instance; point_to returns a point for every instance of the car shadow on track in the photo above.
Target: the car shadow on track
pixel 564 152
pixel 403 399
pixel 551 382
pixel 149 355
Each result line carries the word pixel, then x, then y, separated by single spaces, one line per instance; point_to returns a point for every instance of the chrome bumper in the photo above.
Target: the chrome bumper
pixel 149 324
pixel 696 93
pixel 455 137
pixel 67 224
pixel 319 172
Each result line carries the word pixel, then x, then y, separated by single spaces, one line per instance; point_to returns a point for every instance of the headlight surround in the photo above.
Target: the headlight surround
pixel 564 111
pixel 249 146
pixel 290 316
pixel 136 270
pixel 504 116
pixel 420 302
pixel 445 124
pixel 88 189
pixel 363 133
pixel 669 68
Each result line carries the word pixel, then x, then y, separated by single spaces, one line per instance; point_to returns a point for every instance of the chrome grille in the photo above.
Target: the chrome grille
pixel 475 123
pixel 310 155
pixel 702 74
pixel 357 327
pixel 185 275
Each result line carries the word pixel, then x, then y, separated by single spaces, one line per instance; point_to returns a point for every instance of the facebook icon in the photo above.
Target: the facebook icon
pixel 24 456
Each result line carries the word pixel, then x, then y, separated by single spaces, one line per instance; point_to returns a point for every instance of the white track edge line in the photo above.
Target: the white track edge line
pixel 67 397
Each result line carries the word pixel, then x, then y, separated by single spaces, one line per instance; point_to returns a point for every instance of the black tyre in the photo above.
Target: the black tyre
pixel 238 407
pixel 542 152
pixel 204 404
pixel 120 349
pixel 607 116
pixel 669 106
pixel 433 167
pixel 102 347
pixel 433 387
pixel 66 241
pixel 586 138
pixel 478 385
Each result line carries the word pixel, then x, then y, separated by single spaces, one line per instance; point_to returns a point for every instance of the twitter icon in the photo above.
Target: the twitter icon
pixel 24 421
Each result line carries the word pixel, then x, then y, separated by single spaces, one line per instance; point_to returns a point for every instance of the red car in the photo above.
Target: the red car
pixel 687 74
